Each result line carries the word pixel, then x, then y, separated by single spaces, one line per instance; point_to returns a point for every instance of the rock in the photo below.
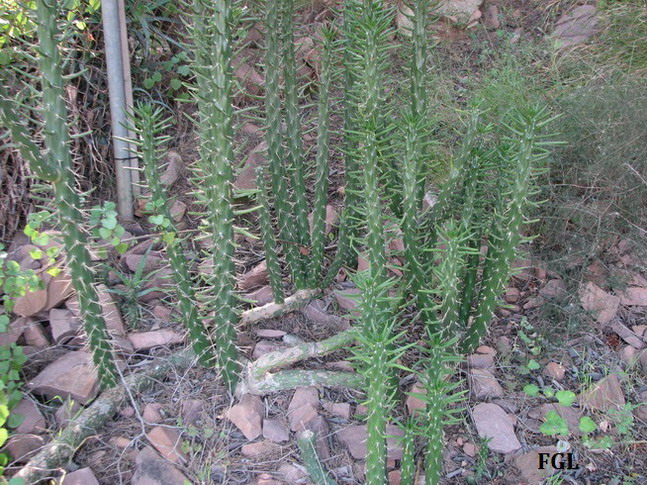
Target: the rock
pixel 571 415
pixel 256 276
pixel 555 371
pixel 258 448
pixel 461 10
pixel 192 411
pixel 528 466
pixel 493 422
pixel 492 17
pixel 261 296
pixel 265 347
pixel 127 412
pixel 155 338
pixel 246 178
pixel 512 295
pixel 152 413
pixel 120 442
pixel 66 412
pixel 319 427
pixel 304 396
pixel 21 447
pixel 483 384
pixel 172 171
pixel 554 289
pixel 247 416
pixel 154 470
pixel 301 416
pixel 162 313
pixel 633 296
pixel 59 289
pixel 394 477
pixel 470 449
pixel 603 305
pixel 15 329
pixel 249 78
pixel 339 409
pixel 30 303
pixel 63 324
pixel 316 312
pixel 33 420
pixel 533 303
pixel 72 375
pixel 414 403
pixel 347 299
pixel 604 395
pixel 150 262
pixel 168 442
pixel 503 345
pixel 576 26
pixel 292 473
pixel 84 476
pixel 627 335
pixel 629 355
pixel 480 361
pixel 354 439
pixel 341 365
pixel 177 210
pixel 34 335
pixel 266 479
pixel 641 411
pixel 331 219
pixel 274 430
pixel 111 314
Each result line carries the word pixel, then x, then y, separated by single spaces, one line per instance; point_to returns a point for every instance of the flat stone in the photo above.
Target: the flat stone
pixel 152 413
pixel 262 296
pixel 34 335
pixel 304 396
pixel 274 430
pixel 569 414
pixel 111 313
pixel 162 313
pixel 168 442
pixel 354 439
pixel 460 10
pixel 331 219
pixel 14 330
pixel 512 295
pixel 172 171
pixel 316 312
pixel 71 375
pixel 250 78
pixel 339 409
pixel 265 347
pixel 553 289
pixel 528 465
pixel 155 338
pixel 63 324
pixel 347 299
pixel 319 427
pixel 576 26
pixel 246 178
pixel 480 361
pixel 299 417
pixel 247 416
pixel 555 371
pixel 627 335
pixel 603 305
pixel 30 303
pixel 256 276
pixel 155 470
pixel 192 411
pixel 84 476
pixel 21 447
pixel 59 289
pixel 483 384
pixel 177 210
pixel 604 395
pixel 151 262
pixel 33 420
pixel 292 473
pixel 258 448
pixel 629 355
pixel 493 422
pixel 414 403
pixel 67 412
pixel 503 345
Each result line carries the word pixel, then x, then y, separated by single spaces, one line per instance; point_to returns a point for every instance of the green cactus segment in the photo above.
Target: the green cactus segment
pixel 54 164
pixel 318 474
pixel 321 162
pixel 528 148
pixel 275 149
pixel 408 462
pixel 295 158
pixel 148 125
pixel 267 236
pixel 212 42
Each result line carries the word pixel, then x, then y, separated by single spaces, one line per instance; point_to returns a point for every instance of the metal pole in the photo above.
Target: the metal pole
pixel 118 107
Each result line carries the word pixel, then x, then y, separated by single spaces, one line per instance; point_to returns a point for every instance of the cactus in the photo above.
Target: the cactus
pixel 212 42
pixel 148 124
pixel 55 166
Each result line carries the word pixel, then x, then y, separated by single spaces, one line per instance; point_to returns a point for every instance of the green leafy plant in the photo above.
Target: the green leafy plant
pixel 554 425
pixel 103 220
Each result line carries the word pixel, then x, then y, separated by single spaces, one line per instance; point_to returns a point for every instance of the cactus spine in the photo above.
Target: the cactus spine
pixel 55 166
pixel 212 41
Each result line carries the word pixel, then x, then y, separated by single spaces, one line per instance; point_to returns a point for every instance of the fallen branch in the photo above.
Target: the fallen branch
pixel 273 310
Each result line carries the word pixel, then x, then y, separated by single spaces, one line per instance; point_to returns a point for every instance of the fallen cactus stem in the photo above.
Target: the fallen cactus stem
pixel 273 309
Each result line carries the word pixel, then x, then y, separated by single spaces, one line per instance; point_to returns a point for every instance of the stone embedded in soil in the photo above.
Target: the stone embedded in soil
pixel 527 465
pixel 33 420
pixel 274 430
pixel 571 415
pixel 162 313
pixel 192 411
pixel 512 295
pixel 261 296
pixel 555 371
pixel 414 403
pixel 66 412
pixel 30 303
pixel 258 448
pixel 483 384
pixel 15 330
pixel 503 345
pixel 299 417
pixel 603 305
pixel 341 365
pixel 629 355
pixel 641 411
pixel 168 442
pixel 265 347
pixel 533 303
pixel 270 333
pixel 151 263
pixel 303 396
pixel 154 470
pixel 554 289
pixel 354 439
pixel 63 324
pixel 247 416
pixel 249 77
pixel 348 299
pixel 153 413
pixel 172 172
pixel 470 449
pixel 493 422
pixel 316 312
pixel 59 289
pixel 155 338
pixel 267 479
pixel 21 447
pixel 177 210
pixel 480 361
pixel 292 473
pixel 84 476
pixel 246 179
pixel 460 10
pixel 111 313
pixel 34 336
pixel 71 375
pixel 319 427
pixel 604 395
pixel 339 409
pixel 120 442
pixel 627 335
pixel 257 276
pixel 576 26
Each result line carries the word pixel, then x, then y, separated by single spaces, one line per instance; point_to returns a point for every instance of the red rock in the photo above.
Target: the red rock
pixel 172 171
pixel 33 420
pixel 246 179
pixel 304 396
pixel 627 335
pixel 555 371
pixel 67 412
pixel 331 219
pixel 155 338
pixel 257 276
pixel 84 476
pixel 576 26
pixel 316 312
pixel 319 427
pixel 63 324
pixel 604 395
pixel 274 430
pixel 120 442
pixel 299 417
pixel 127 412
pixel 414 403
pixel 354 439
pixel 603 305
pixel 569 414
pixel 629 355
pixel 483 384
pixel 261 296
pixel 339 409
pixel 493 422
pixel 249 78
pixel 265 347
pixel 347 299
pixel 512 295
pixel 30 303
pixel 527 465
pixel 258 448
pixel 162 313
pixel 292 473
pixel 191 411
pixel 153 413
pixel 154 470
pixel 15 330
pixel 470 449
pixel 168 442
pixel 151 262
pixel 394 477
pixel 341 365
pixel 72 375
pixel 177 210
pixel 503 345
pixel 34 335
pixel 247 416
pixel 554 289
pixel 533 303
pixel 111 313
pixel 267 479
pixel 634 296
pixel 59 289
pixel 21 447
pixel 480 361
